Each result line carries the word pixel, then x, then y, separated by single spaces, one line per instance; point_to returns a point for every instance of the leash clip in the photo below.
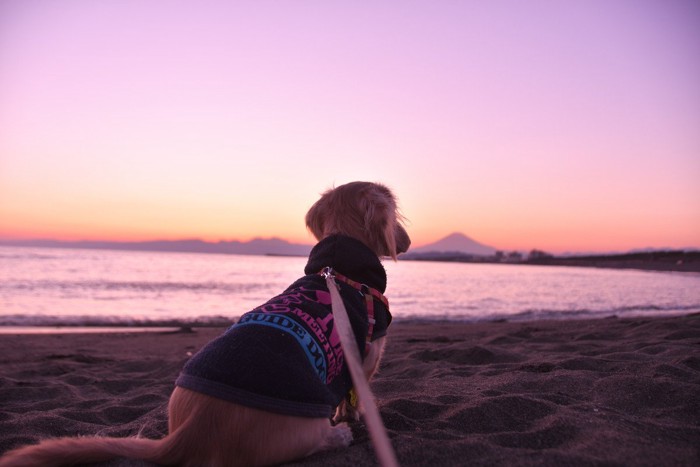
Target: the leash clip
pixel 327 272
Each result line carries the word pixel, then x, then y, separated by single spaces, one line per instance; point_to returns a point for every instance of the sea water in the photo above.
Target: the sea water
pixel 51 287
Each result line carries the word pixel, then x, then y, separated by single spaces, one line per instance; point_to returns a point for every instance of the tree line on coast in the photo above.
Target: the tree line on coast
pixel 662 260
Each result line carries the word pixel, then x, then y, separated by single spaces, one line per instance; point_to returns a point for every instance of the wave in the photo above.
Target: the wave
pixel 140 286
pixel 113 321
pixel 26 256
pixel 551 314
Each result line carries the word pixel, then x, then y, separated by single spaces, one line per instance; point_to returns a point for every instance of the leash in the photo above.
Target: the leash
pixel 380 439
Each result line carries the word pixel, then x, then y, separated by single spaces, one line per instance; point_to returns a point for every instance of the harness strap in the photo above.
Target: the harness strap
pixel 370 295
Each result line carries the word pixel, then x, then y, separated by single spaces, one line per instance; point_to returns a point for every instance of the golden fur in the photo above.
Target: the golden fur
pixel 205 431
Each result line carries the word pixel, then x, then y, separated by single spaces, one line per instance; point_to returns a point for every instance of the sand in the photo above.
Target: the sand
pixel 599 392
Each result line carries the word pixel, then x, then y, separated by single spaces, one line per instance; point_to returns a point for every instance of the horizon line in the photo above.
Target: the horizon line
pixel 10 241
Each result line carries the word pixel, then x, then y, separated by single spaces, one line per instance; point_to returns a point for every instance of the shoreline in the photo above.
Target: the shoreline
pixel 572 392
pixel 77 329
pixel 659 261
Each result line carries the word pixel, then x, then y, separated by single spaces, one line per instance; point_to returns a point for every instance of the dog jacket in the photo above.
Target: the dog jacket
pixel 284 356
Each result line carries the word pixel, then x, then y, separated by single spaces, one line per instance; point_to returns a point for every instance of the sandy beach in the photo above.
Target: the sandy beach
pixel 599 392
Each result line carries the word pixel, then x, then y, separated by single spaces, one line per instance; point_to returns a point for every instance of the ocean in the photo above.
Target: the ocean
pixel 41 287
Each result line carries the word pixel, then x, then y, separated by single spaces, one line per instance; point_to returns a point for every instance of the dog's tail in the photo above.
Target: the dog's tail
pixel 71 451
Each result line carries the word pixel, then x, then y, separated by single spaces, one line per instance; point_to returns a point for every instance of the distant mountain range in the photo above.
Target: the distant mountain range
pixel 456 243
pixel 456 247
pixel 257 246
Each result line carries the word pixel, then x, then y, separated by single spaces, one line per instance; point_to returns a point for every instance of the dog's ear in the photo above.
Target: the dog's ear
pixel 381 221
pixel 362 210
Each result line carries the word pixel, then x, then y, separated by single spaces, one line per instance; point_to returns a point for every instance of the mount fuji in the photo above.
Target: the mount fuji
pixel 455 243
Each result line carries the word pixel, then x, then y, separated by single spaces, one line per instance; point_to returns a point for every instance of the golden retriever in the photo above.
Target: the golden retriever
pixel 212 424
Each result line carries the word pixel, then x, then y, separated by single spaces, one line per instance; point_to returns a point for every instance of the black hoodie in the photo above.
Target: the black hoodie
pixel 284 356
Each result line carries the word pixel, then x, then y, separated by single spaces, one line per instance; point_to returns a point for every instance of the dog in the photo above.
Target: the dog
pixel 264 392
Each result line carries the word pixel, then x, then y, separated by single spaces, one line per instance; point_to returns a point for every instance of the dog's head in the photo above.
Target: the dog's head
pixel 362 210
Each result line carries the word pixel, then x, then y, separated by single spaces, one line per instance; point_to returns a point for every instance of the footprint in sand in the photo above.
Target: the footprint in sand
pixel 466 356
pixel 501 414
pixel 547 438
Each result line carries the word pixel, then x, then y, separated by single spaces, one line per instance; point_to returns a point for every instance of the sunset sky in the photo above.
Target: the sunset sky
pixel 559 125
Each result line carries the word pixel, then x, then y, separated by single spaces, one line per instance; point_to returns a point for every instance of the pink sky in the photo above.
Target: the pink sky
pixel 563 126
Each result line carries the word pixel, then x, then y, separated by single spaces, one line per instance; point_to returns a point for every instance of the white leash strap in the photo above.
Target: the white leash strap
pixel 382 445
